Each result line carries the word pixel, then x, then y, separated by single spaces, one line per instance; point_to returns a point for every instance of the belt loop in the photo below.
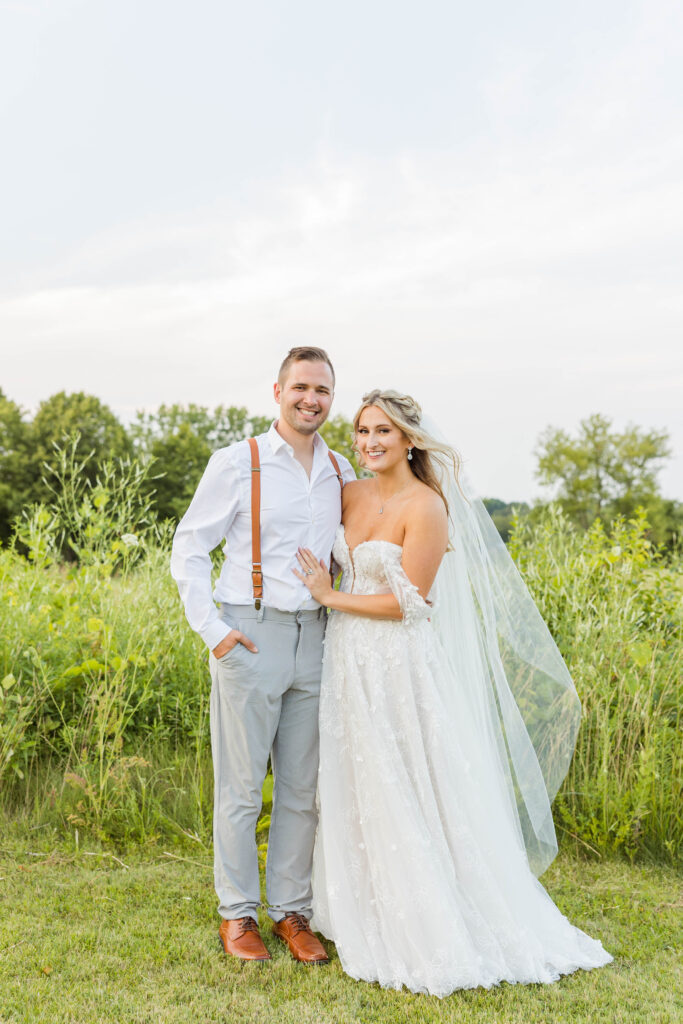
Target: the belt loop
pixel 259 613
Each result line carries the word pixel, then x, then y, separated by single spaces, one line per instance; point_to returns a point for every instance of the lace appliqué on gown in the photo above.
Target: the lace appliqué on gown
pixel 420 877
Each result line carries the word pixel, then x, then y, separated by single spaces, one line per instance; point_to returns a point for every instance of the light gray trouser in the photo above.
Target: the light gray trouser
pixel 261 704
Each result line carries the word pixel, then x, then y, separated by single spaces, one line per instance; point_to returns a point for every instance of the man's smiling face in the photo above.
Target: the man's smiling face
pixel 305 397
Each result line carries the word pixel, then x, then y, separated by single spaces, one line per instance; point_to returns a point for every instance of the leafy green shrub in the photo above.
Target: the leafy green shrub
pixel 104 688
pixel 95 656
pixel 615 608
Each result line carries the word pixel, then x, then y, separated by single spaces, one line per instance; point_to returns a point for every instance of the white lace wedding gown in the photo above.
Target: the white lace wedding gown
pixel 420 877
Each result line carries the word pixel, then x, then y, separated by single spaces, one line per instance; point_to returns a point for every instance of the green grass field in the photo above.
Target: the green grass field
pixel 88 938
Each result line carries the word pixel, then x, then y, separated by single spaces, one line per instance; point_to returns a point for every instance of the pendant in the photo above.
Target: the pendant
pixel 381 511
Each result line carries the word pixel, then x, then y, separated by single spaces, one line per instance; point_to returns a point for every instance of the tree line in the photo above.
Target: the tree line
pixel 598 472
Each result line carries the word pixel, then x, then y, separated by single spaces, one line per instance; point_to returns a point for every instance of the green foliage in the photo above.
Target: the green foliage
pixel 174 444
pixel 604 473
pixel 216 428
pixel 105 520
pixel 82 420
pixel 600 472
pixel 14 462
pixel 338 435
pixel 503 514
pixel 103 689
pixel 178 440
pixel 96 657
pixel 103 686
pixel 615 608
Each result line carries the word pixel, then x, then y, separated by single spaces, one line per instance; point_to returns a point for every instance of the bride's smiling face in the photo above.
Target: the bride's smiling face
pixel 380 443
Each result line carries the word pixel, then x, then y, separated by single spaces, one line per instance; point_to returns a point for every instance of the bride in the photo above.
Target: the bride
pixel 447 722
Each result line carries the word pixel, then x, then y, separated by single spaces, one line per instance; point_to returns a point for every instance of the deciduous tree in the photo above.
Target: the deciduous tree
pixel 338 434
pixel 62 418
pixel 14 462
pixel 602 472
pixel 180 439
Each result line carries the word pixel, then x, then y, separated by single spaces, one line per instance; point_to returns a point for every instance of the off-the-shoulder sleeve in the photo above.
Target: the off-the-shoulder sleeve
pixel 413 606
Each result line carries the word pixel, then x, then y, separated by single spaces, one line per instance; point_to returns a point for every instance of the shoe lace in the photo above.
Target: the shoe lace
pixel 299 922
pixel 248 924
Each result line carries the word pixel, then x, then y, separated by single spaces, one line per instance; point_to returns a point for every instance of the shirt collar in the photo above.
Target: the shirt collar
pixel 277 441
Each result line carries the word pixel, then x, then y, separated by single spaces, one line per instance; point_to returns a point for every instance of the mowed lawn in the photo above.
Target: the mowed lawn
pixel 85 939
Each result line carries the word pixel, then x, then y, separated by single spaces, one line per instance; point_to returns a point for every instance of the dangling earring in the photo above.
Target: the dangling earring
pixel 410 454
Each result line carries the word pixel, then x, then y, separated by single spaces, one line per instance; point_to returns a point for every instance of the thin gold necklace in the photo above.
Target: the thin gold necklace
pixel 386 502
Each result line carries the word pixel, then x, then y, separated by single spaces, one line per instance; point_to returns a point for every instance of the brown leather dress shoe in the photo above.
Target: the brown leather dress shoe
pixel 241 938
pixel 295 930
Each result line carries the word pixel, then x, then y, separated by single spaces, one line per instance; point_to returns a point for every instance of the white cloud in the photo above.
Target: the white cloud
pixel 525 274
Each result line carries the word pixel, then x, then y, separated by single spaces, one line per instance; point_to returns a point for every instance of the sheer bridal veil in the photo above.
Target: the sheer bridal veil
pixel 521 696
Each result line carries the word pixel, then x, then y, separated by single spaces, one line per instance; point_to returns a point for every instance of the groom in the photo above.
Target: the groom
pixel 266 649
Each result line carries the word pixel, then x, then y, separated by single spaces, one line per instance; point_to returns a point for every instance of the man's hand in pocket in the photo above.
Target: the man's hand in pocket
pixel 233 638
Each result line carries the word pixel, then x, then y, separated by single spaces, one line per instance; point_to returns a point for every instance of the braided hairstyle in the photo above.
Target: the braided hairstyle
pixel 430 457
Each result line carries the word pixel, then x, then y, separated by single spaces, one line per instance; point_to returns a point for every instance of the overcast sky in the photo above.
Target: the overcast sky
pixel 480 203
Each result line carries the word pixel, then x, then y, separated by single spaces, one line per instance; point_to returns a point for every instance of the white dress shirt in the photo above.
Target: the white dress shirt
pixel 296 511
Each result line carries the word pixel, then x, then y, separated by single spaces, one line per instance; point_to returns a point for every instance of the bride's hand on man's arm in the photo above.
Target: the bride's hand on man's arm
pixel 315 575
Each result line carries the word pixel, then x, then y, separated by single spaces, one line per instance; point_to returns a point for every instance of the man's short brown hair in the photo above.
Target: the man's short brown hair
pixel 304 352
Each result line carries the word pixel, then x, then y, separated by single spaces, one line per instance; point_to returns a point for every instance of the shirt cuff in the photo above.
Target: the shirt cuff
pixel 214 633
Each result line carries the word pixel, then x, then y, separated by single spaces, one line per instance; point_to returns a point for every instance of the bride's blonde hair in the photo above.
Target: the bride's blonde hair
pixel 430 456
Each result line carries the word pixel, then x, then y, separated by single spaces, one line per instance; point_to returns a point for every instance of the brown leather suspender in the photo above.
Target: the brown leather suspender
pixel 333 460
pixel 256 568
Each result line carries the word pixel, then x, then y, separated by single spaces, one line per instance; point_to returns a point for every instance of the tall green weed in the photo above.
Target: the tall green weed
pixel 97 667
pixel 615 607
pixel 104 688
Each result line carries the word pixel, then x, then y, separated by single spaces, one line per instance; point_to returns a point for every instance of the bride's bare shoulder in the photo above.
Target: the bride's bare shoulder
pixel 427 506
